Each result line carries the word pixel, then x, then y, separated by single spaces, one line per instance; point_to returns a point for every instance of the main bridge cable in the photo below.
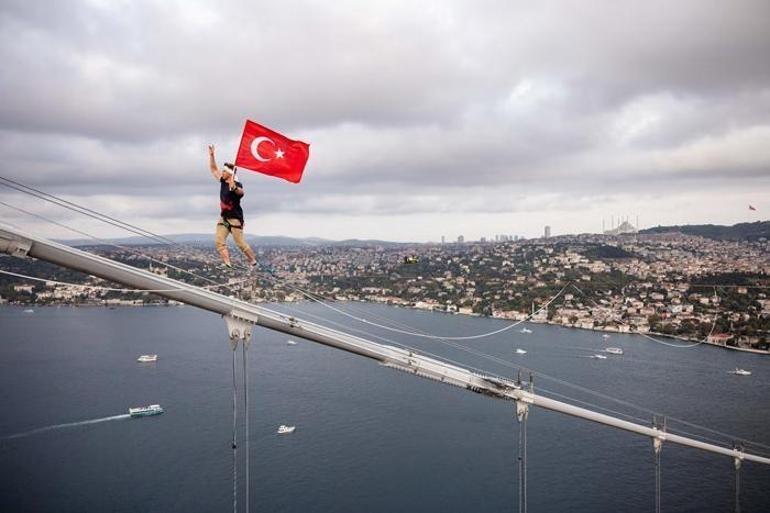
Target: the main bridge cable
pixel 138 230
pixel 71 205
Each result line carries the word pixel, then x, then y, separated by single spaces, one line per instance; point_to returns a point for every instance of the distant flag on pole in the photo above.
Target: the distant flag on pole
pixel 266 151
pixel 751 208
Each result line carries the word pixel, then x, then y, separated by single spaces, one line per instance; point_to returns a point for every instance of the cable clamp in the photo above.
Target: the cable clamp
pixel 239 324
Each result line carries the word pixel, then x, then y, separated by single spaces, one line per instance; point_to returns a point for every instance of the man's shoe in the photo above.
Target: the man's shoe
pixel 228 265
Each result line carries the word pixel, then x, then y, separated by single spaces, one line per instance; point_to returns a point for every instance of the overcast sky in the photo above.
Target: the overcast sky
pixel 423 118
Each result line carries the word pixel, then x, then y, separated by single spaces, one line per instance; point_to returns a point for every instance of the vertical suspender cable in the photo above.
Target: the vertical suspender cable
pixel 657 482
pixel 737 485
pixel 524 463
pixel 235 445
pixel 521 469
pixel 246 416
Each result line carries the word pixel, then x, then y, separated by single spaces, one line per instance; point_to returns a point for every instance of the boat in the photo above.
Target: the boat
pixel 613 350
pixel 29 310
pixel 291 343
pixel 599 357
pixel 525 330
pixel 741 372
pixel 520 351
pixel 605 336
pixel 145 358
pixel 285 430
pixel 144 411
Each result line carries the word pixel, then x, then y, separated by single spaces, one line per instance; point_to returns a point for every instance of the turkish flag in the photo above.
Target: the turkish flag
pixel 266 151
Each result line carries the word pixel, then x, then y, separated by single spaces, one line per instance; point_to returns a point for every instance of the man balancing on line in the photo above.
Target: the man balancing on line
pixel 231 215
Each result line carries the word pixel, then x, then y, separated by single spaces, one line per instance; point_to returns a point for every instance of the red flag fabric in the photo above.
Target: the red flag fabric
pixel 266 151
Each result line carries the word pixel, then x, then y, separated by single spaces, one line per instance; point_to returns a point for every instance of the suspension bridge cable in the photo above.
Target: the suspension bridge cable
pixel 246 415
pixel 235 438
pixel 13 184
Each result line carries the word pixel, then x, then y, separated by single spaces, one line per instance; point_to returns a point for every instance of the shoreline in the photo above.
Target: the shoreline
pixel 600 329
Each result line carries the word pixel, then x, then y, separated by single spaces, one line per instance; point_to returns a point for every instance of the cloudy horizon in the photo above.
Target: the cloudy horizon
pixel 472 118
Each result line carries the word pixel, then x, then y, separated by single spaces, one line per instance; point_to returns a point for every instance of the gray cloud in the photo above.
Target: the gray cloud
pixel 470 107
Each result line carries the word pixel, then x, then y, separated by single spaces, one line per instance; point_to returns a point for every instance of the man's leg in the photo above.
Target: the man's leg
pixel 237 232
pixel 221 242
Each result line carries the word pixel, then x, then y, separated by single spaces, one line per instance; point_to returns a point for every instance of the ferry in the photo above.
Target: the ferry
pixel 144 411
pixel 741 372
pixel 525 330
pixel 520 351
pixel 285 430
pixel 291 343
pixel 613 350
pixel 147 358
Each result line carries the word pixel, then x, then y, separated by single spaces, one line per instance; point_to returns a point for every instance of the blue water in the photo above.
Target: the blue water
pixel 368 438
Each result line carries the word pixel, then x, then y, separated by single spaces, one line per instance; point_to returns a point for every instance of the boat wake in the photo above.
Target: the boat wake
pixel 66 425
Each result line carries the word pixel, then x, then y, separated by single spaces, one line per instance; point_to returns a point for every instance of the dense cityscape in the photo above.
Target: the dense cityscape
pixel 669 284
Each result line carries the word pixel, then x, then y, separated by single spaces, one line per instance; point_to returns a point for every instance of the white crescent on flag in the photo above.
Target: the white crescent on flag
pixel 255 147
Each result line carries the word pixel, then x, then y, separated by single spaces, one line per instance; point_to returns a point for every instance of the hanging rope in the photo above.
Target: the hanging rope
pixel 657 481
pixel 246 416
pixel 522 412
pixel 738 482
pixel 657 446
pixel 235 444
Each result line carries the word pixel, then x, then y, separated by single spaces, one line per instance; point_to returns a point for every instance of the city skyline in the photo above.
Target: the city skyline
pixel 485 121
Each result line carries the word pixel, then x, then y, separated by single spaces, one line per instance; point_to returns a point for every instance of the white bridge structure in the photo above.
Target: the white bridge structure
pixel 240 316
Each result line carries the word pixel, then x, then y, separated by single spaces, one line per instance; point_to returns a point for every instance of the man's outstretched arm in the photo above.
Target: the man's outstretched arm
pixel 215 172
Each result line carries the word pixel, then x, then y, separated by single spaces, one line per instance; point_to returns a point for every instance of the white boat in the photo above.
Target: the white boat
pixel 145 358
pixel 285 430
pixel 599 357
pixel 605 336
pixel 520 351
pixel 741 372
pixel 291 343
pixel 144 411
pixel 613 350
pixel 29 310
pixel 525 330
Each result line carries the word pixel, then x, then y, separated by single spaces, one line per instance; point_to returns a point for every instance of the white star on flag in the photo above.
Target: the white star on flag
pixel 279 154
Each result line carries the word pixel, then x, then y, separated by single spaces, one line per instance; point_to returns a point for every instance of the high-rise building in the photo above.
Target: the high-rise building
pixel 443 240
pixel 547 231
pixel 460 239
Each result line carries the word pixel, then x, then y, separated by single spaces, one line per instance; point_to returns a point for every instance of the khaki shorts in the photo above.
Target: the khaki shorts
pixel 235 229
